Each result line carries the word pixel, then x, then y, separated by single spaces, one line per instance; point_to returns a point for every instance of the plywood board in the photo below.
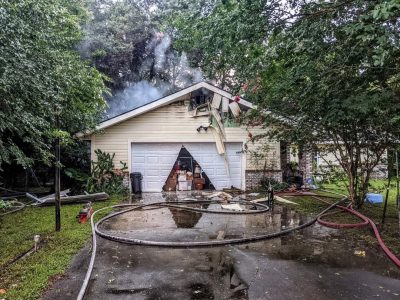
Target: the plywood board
pixel 216 102
pixel 235 109
pixel 225 104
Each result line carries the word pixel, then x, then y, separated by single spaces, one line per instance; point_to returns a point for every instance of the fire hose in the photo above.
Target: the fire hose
pixel 366 221
pixel 134 207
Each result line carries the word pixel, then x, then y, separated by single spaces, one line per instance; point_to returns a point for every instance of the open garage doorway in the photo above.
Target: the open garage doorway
pixel 187 174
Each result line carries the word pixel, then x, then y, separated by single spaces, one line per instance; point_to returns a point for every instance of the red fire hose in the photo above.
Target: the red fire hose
pixel 365 222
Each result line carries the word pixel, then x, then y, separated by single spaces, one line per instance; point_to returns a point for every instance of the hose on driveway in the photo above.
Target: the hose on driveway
pixel 193 244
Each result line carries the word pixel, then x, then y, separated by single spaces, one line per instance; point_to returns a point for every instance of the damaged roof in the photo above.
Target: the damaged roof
pixel 168 100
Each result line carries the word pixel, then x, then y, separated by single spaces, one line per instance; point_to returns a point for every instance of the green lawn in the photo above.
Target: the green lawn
pixel 28 277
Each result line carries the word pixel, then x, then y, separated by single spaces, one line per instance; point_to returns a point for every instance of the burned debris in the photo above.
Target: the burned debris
pixel 187 174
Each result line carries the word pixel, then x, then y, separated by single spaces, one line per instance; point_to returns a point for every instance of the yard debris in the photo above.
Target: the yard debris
pixel 30 196
pixel 253 194
pixel 235 207
pixel 206 193
pixel 296 193
pixel 221 235
pixel 258 200
pixel 222 195
pixel 277 198
pixel 359 253
pixel 63 193
pixel 233 190
pixel 69 199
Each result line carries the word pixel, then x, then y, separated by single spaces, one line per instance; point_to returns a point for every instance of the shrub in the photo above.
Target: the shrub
pixel 5 204
pixel 103 176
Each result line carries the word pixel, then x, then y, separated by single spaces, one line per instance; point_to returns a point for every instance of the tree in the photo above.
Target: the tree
pixel 126 41
pixel 223 38
pixel 116 40
pixel 322 73
pixel 41 76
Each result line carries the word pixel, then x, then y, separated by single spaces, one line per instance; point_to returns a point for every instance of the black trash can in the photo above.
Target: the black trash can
pixel 136 182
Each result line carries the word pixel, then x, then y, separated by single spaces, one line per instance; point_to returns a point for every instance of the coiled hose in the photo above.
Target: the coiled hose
pixel 133 207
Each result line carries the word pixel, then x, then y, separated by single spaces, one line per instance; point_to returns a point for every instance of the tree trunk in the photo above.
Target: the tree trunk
pixel 352 189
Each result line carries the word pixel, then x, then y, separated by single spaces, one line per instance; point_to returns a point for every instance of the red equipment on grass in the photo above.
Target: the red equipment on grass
pixel 85 213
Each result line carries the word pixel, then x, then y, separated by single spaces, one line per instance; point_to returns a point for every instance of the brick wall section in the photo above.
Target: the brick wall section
pixel 253 178
pixel 305 165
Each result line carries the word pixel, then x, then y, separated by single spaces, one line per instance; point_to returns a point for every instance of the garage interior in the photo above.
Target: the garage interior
pixel 187 174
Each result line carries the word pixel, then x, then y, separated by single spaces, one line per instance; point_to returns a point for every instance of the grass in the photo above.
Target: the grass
pixel 305 204
pixel 390 230
pixel 28 277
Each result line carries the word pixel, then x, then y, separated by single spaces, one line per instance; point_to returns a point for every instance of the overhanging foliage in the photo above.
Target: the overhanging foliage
pixel 41 75
pixel 331 68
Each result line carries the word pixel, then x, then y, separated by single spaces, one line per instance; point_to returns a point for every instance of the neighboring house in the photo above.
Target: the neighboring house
pixel 324 161
pixel 203 119
pixel 319 163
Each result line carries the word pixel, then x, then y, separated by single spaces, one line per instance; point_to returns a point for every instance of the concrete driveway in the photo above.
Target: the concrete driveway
pixel 315 263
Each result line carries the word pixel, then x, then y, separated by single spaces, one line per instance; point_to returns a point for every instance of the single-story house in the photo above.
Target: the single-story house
pixel 202 119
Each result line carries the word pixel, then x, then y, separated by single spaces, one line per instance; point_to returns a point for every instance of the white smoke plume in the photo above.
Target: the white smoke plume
pixel 186 74
pixel 160 52
pixel 132 97
pixel 143 92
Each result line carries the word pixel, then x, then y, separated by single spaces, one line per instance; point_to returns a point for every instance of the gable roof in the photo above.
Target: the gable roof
pixel 168 100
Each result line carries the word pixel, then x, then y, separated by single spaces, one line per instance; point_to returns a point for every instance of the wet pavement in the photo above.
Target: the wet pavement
pixel 314 263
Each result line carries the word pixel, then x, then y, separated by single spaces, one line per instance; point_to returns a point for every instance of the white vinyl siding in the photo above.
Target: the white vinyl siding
pixel 168 124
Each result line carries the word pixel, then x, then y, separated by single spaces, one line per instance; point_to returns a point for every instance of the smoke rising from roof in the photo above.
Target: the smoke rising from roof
pixel 137 94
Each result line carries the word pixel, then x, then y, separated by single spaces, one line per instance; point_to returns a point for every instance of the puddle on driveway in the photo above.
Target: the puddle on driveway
pixel 172 224
pixel 314 263
pixel 314 244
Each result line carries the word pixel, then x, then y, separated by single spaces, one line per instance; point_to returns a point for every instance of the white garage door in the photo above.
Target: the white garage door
pixel 155 161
